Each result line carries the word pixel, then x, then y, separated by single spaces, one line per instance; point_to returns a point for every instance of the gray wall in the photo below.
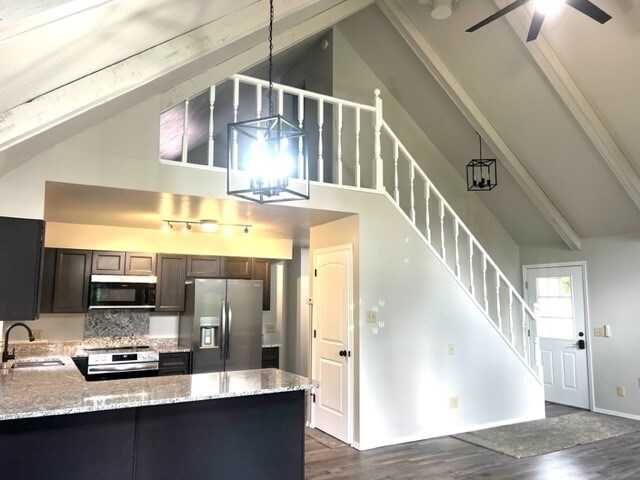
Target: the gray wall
pixel 613 282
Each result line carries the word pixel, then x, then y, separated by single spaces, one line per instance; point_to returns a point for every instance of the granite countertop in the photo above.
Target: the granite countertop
pixel 61 390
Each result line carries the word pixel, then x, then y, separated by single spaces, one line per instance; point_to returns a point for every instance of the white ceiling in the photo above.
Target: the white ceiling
pixel 494 66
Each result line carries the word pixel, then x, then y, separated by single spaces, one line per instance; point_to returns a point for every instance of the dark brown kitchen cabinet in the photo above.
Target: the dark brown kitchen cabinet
pixel 203 266
pixel 261 270
pixel 236 267
pixel 108 263
pixel 172 271
pixel 140 264
pixel 123 263
pixel 71 281
pixel 21 252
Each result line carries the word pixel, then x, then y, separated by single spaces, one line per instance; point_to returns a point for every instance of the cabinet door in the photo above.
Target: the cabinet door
pixel 236 267
pixel 48 279
pixel 170 288
pixel 140 264
pixel 108 263
pixel 71 281
pixel 203 266
pixel 20 264
pixel 261 270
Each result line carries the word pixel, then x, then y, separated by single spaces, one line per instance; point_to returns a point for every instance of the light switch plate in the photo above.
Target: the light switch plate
pixel 372 317
pixel 620 391
pixel 598 331
pixel 453 402
pixel 271 327
pixel 452 349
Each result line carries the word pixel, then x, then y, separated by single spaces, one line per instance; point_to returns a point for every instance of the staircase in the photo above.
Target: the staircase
pixel 351 145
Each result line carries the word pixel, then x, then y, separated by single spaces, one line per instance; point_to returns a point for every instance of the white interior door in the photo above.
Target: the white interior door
pixel 332 318
pixel 557 295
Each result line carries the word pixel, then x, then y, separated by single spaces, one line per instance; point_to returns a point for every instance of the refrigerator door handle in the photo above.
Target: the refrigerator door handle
pixel 230 320
pixel 223 315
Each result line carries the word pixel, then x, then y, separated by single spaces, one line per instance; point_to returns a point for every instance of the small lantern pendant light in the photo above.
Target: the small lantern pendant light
pixel 482 175
pixel 267 157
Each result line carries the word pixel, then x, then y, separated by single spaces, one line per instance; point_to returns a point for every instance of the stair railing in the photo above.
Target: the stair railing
pixel 339 144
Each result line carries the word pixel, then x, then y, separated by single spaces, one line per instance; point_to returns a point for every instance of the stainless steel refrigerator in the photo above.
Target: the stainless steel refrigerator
pixel 222 324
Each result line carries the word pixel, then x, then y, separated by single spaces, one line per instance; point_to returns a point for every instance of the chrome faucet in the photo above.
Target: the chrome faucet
pixel 5 352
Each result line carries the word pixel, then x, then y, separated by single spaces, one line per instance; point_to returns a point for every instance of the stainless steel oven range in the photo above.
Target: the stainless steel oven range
pixel 107 363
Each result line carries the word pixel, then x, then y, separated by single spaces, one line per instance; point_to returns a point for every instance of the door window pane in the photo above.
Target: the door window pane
pixel 555 307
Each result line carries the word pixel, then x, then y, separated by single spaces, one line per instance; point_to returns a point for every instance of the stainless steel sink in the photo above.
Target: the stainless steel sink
pixel 38 363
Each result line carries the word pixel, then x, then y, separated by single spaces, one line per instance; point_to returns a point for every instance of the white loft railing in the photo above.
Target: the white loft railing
pixel 351 145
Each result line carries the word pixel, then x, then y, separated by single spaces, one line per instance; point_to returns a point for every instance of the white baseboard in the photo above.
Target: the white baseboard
pixel 617 414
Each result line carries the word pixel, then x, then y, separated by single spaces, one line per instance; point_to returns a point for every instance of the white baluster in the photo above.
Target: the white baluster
pixel 457 235
pixel 377 148
pixel 340 144
pixel 258 100
pixel 472 287
pixel 511 333
pixel 498 314
pixel 280 101
pixel 413 195
pixel 427 198
pixel 442 247
pixel 212 102
pixel 236 103
pixel 396 191
pixel 524 333
pixel 484 282
pixel 302 174
pixel 358 147
pixel 185 132
pixel 537 355
pixel 320 125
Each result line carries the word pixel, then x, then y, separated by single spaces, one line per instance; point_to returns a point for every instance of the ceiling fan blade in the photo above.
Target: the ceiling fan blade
pixel 498 14
pixel 536 25
pixel 590 10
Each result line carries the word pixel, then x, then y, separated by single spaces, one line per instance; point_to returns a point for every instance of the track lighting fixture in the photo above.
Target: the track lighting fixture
pixel 206 225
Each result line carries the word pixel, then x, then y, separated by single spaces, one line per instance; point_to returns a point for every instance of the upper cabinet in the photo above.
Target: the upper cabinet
pixel 203 266
pixel 123 263
pixel 65 280
pixel 236 267
pixel 21 252
pixel 171 277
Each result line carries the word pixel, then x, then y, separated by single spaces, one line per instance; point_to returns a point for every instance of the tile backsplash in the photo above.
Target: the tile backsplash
pixel 116 323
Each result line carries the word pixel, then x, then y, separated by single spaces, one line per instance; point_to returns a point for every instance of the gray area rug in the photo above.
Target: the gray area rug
pixel 551 434
pixel 324 439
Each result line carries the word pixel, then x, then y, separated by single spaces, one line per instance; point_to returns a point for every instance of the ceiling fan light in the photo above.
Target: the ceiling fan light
pixel 441 9
pixel 548 7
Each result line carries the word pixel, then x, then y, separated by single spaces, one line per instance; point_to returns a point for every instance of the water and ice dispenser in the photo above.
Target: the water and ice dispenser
pixel 209 332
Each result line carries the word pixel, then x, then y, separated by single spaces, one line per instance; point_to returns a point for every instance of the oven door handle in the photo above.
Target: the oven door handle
pixel 129 367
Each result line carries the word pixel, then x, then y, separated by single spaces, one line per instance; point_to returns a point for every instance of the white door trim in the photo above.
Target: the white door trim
pixel 587 324
pixel 350 341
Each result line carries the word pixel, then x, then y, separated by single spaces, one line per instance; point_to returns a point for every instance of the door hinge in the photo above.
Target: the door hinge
pixel 313 398
pixel 528 332
pixel 526 284
pixel 315 272
pixel 314 333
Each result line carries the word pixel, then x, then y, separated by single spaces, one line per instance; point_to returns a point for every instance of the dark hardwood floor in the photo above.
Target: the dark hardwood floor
pixel 447 458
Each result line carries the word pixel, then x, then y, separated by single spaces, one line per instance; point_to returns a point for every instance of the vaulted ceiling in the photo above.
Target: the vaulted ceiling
pixel 559 113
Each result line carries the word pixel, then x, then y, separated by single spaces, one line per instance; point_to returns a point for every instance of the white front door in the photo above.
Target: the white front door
pixel 332 318
pixel 556 294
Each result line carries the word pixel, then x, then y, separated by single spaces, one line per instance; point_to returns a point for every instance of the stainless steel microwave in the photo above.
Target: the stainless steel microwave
pixel 122 291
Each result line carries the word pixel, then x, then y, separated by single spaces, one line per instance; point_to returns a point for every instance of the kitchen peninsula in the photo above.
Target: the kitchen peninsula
pixel 231 425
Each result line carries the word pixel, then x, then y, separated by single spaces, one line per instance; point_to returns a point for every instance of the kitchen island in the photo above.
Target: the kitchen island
pixel 231 425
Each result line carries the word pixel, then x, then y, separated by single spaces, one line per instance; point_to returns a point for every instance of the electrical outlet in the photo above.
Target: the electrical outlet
pixel 372 317
pixel 271 327
pixel 452 349
pixel 38 333
pixel 598 331
pixel 453 402
pixel 621 392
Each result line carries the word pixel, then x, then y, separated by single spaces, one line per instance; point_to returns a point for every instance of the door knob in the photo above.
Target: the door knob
pixel 580 345
pixel 343 353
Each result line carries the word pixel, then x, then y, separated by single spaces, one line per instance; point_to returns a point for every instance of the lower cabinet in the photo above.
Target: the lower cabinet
pixel 271 357
pixel 174 363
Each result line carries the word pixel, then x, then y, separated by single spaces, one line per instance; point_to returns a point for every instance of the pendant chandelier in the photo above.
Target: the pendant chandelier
pixel 267 157
pixel 482 175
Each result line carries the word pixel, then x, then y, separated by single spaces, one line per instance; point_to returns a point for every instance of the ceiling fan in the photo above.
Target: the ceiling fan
pixel 583 6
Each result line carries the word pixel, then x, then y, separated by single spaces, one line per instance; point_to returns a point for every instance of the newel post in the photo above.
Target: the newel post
pixel 377 149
